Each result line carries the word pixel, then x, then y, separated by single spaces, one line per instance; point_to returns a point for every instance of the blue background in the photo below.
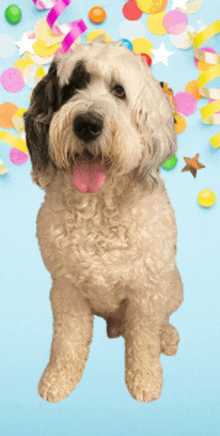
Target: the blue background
pixel 101 404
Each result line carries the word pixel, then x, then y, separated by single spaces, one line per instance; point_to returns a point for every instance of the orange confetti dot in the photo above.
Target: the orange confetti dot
pixel 152 6
pixel 7 111
pixel 180 124
pixel 193 88
pixel 97 14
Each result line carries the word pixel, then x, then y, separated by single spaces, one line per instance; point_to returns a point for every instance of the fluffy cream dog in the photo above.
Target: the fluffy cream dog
pixel 98 129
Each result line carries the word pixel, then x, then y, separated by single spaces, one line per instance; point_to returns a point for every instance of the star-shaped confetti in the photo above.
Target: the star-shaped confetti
pixel 161 54
pixel 179 4
pixel 193 164
pixel 25 44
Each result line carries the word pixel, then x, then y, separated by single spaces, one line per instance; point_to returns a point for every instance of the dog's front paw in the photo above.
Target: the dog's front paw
pixel 58 382
pixel 145 384
pixel 169 340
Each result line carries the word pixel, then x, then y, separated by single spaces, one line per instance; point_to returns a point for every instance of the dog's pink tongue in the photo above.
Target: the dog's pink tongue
pixel 88 175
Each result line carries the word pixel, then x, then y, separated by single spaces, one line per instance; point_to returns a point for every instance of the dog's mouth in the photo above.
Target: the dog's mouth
pixel 88 173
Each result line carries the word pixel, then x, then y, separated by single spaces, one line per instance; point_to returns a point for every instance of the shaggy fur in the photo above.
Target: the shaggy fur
pixel 110 253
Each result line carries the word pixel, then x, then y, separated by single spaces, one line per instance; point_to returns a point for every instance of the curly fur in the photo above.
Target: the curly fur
pixel 110 253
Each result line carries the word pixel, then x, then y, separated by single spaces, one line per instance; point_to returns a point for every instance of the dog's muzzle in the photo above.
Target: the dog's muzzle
pixel 88 126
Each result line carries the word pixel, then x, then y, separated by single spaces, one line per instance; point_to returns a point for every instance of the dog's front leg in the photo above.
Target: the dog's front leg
pixel 143 373
pixel 73 322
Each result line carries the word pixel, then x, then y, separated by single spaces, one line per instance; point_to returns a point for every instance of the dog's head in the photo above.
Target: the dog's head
pixel 99 110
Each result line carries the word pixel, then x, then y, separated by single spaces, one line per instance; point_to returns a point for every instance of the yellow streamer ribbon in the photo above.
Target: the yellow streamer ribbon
pixel 14 141
pixel 208 112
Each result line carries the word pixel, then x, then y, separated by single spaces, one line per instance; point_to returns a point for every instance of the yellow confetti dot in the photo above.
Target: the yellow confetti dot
pixel 152 6
pixel 43 32
pixel 193 88
pixel 206 198
pixel 180 124
pixel 142 45
pixel 23 63
pixel 95 33
pixel 41 49
pixel 155 23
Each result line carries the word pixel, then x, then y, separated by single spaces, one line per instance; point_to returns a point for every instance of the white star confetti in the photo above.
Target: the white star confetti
pixel 179 4
pixel 25 44
pixel 161 54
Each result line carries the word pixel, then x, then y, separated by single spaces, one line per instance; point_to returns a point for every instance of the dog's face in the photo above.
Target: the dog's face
pixel 98 110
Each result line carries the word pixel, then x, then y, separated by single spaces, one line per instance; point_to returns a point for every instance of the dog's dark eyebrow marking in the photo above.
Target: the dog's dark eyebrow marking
pixel 79 79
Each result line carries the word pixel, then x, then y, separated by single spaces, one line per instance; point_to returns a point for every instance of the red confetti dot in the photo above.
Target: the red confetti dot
pixel 131 11
pixel 147 59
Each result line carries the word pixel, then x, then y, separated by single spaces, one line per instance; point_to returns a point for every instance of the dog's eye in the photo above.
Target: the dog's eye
pixel 119 91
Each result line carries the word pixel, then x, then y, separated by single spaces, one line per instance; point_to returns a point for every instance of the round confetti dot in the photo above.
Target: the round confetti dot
pixel 126 43
pixel 207 50
pixel 182 41
pixel 180 124
pixel 13 14
pixel 39 60
pixel 175 22
pixel 131 11
pixel 97 14
pixel 43 32
pixel 186 103
pixel 23 63
pixel 7 46
pixel 95 33
pixel 152 6
pixel 170 163
pixel 142 45
pixel 206 198
pixel 17 157
pixel 193 6
pixel 155 23
pixel 147 59
pixel 193 88
pixel 12 80
pixel 41 49
pixel 7 111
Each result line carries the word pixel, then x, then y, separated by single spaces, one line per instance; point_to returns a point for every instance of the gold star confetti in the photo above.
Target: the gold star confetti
pixel 193 164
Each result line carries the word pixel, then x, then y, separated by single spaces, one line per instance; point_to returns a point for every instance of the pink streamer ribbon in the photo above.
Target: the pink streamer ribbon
pixel 73 29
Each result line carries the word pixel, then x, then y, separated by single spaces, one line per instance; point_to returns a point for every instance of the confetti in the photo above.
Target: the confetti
pixel 25 44
pixel 186 103
pixel 206 64
pixel 23 63
pixel 152 6
pixel 193 6
pixel 12 80
pixel 3 168
pixel 193 88
pixel 17 157
pixel 131 11
pixel 41 49
pixel 7 110
pixel 175 22
pixel 7 46
pixel 161 54
pixel 142 45
pixel 95 33
pixel 155 23
pixel 179 4
pixel 182 41
pixel 180 124
pixel 192 165
pixel 97 14
pixel 206 198
pixel 13 140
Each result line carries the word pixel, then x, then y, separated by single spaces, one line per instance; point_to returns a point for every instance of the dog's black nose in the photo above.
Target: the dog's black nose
pixel 88 126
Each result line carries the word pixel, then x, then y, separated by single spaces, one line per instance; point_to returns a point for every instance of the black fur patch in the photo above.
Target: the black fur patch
pixel 79 79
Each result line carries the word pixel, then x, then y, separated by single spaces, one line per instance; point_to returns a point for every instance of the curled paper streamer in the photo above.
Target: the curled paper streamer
pixel 14 141
pixel 3 168
pixel 208 112
pixel 72 30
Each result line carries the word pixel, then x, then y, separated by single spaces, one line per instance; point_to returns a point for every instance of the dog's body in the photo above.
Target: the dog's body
pixel 106 229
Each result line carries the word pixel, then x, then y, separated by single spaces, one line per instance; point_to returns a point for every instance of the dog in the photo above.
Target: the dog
pixel 98 129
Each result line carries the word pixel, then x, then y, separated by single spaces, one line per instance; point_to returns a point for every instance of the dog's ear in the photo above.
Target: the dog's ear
pixel 44 103
pixel 156 121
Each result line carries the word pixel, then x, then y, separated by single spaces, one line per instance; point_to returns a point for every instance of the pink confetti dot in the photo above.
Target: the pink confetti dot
pixel 17 157
pixel 175 22
pixel 186 103
pixel 12 80
pixel 206 49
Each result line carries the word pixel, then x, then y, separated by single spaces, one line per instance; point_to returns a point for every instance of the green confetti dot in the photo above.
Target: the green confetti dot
pixel 170 163
pixel 13 14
